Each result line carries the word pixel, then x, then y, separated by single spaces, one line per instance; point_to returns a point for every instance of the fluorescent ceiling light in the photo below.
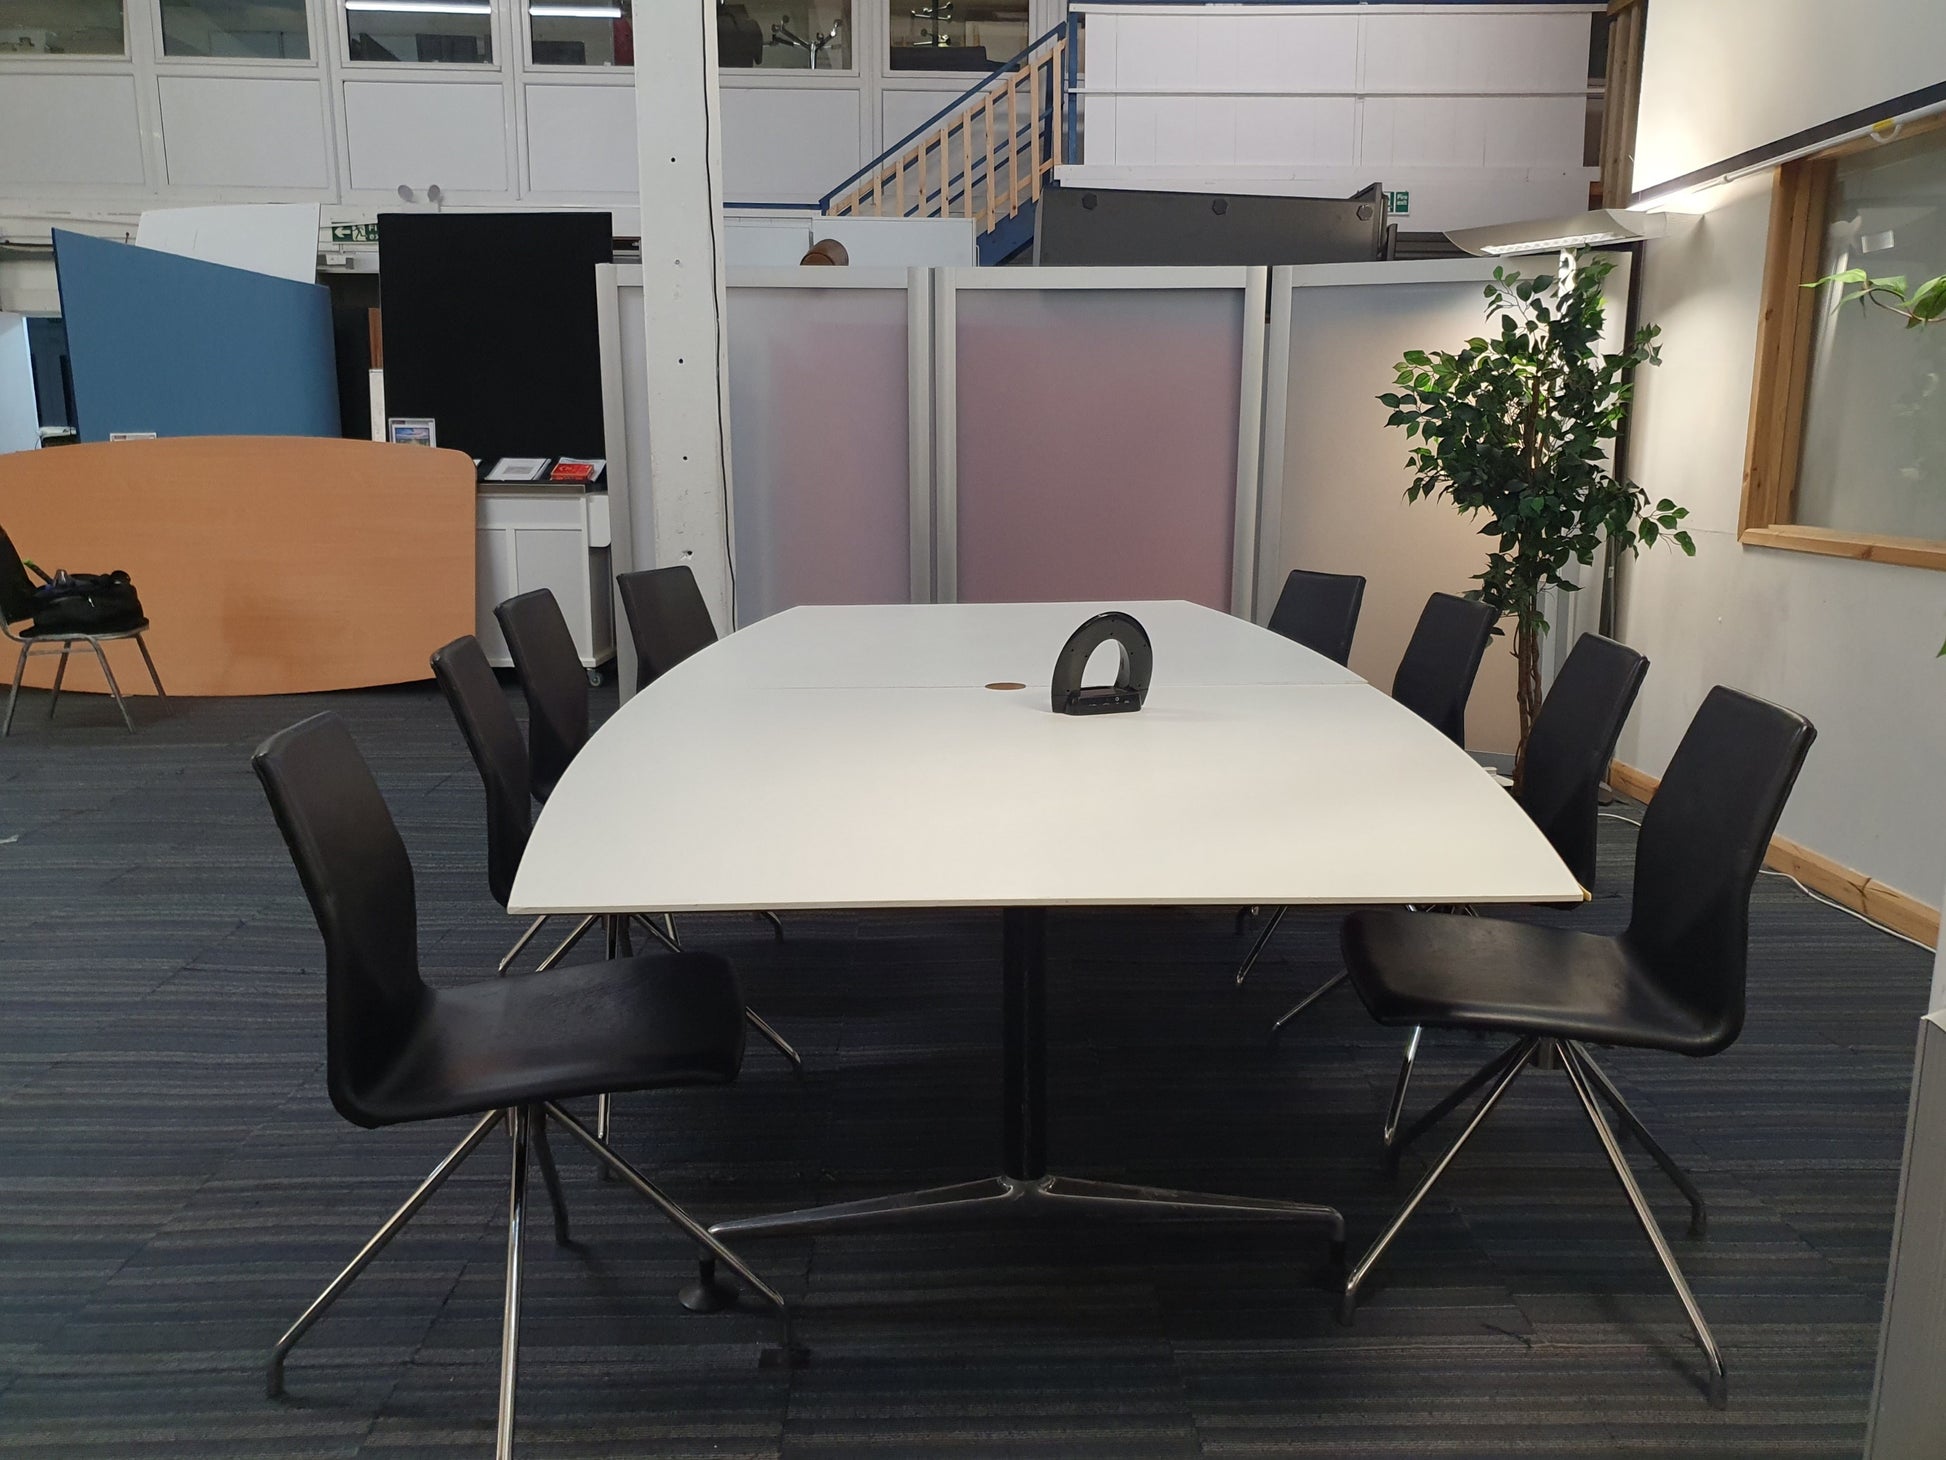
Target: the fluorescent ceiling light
pixel 575 12
pixel 1601 228
pixel 424 7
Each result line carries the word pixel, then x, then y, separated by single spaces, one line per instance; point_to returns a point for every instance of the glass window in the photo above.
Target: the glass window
pixel 957 35
pixel 271 30
pixel 60 27
pixel 580 33
pixel 784 35
pixel 420 30
pixel 1874 455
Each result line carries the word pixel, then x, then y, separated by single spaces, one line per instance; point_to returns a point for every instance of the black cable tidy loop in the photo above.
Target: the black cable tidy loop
pixel 1131 686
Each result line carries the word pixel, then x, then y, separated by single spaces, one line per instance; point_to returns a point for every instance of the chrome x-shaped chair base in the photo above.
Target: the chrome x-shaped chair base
pixel 1588 1081
pixel 528 1124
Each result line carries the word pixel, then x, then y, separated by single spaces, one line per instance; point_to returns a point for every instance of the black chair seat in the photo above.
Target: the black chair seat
pixel 1451 971
pixel 119 631
pixel 589 1029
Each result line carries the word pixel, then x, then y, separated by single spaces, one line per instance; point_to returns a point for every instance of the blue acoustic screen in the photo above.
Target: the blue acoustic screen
pixel 186 348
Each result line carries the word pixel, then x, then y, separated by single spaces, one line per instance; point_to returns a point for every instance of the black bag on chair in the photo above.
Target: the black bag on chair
pixel 87 603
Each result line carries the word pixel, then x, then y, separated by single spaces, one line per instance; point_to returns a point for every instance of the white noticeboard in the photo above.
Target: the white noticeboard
pixel 280 239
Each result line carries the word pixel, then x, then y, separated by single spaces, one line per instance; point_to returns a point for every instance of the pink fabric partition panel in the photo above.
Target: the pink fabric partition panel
pixel 819 419
pixel 1097 443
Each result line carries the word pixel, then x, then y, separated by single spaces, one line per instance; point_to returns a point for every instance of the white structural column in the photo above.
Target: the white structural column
pixel 679 133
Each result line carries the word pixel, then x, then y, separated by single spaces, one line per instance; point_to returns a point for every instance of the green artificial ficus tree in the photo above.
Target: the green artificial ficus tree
pixel 1517 430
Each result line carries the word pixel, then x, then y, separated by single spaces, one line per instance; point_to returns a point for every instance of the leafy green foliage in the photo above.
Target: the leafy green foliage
pixel 1516 429
pixel 1917 307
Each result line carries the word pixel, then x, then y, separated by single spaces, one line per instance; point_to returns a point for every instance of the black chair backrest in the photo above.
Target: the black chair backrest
pixel 1435 677
pixel 553 680
pixel 16 588
pixel 1702 843
pixel 1320 611
pixel 1572 742
pixel 358 877
pixel 667 619
pixel 493 736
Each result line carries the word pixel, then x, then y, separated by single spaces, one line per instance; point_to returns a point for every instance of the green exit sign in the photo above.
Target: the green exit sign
pixel 354 233
pixel 1399 203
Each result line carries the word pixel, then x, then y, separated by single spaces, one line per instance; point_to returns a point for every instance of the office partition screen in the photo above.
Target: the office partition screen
pixel 1103 433
pixel 820 413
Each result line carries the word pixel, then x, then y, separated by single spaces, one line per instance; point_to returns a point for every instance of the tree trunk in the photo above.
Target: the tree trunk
pixel 1527 659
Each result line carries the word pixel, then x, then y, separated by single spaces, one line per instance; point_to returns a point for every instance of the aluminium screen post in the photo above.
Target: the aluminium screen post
pixel 614 416
pixel 945 439
pixel 1277 392
pixel 1250 424
pixel 919 431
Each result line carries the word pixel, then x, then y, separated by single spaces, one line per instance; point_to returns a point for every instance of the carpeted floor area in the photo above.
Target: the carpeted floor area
pixel 174 1185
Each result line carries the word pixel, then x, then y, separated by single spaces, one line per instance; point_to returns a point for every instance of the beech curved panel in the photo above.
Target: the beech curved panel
pixel 266 564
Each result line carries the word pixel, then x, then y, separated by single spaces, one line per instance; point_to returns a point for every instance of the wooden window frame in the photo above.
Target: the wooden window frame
pixel 1786 327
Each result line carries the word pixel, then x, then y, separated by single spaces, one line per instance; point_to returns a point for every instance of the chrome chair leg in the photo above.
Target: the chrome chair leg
pixel 434 1180
pixel 1487 1073
pixel 521 942
pixel 551 1178
pixel 776 924
pixel 1698 1212
pixel 1257 948
pixel 1304 1003
pixel 20 668
pixel 1513 1064
pixel 154 678
pixel 1719 1382
pixel 580 931
pixel 503 1448
pixel 113 688
pixel 60 673
pixel 655 931
pixel 777 1041
pixel 790 1354
pixel 1397 1107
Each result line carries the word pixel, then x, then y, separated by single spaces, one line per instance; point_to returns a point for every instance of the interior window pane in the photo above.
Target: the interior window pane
pixel 60 27
pixel 582 33
pixel 784 35
pixel 957 35
pixel 259 29
pixel 1874 457
pixel 420 30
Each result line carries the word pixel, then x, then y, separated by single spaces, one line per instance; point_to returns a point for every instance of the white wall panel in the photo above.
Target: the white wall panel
pixel 82 131
pixel 425 132
pixel 1721 77
pixel 581 139
pixel 1457 51
pixel 222 131
pixel 788 145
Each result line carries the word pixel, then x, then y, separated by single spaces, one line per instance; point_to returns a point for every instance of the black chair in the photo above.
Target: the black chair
pixel 1435 676
pixel 1568 753
pixel 1673 980
pixel 493 736
pixel 500 1050
pixel 667 619
pixel 17 606
pixel 555 684
pixel 1320 611
pixel 1434 680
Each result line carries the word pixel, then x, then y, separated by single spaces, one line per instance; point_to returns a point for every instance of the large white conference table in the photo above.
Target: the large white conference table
pixel 907 756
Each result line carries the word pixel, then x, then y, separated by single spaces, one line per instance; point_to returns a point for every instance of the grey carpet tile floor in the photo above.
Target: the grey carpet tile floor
pixel 174 1185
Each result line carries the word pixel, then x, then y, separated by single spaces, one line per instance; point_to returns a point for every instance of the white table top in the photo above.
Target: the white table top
pixel 850 757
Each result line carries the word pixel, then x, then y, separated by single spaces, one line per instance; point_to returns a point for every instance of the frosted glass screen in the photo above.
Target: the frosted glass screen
pixel 1874 456
pixel 1097 443
pixel 818 421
